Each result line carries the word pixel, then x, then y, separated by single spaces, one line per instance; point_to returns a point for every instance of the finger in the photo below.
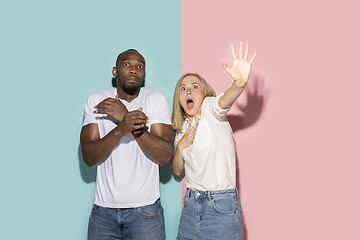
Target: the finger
pixel 139 114
pixel 102 111
pixel 241 49
pixel 192 134
pixel 233 54
pixel 188 129
pixel 227 69
pixel 140 109
pixel 143 118
pixel 138 120
pixel 103 105
pixel 253 58
pixel 107 100
pixel 101 108
pixel 194 128
pixel 117 97
pixel 246 51
pixel 137 126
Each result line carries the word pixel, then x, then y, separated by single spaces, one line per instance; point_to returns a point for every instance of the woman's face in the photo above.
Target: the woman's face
pixel 192 94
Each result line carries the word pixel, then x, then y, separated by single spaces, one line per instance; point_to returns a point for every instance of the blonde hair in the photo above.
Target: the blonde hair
pixel 178 114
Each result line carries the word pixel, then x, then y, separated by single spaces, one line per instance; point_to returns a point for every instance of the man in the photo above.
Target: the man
pixel 127 132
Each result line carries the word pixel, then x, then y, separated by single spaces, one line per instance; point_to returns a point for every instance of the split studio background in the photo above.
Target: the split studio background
pixel 296 127
pixel 54 54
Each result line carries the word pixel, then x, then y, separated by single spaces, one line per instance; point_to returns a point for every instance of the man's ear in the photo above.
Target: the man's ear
pixel 114 71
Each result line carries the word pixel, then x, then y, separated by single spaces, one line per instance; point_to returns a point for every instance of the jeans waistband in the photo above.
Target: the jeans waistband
pixel 193 193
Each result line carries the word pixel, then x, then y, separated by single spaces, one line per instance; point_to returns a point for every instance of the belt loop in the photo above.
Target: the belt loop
pixel 187 192
pixel 209 195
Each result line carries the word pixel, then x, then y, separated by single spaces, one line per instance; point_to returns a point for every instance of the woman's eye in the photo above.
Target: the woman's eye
pixel 196 87
pixel 182 89
pixel 126 64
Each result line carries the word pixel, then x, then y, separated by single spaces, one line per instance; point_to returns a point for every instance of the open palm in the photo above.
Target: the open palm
pixel 241 68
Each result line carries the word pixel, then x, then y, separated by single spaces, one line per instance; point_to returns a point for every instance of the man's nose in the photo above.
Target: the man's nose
pixel 133 70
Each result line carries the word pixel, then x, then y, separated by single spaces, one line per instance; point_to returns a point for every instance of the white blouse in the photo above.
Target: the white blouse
pixel 210 162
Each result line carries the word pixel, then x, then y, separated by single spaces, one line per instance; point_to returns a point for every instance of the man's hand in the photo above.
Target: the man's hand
pixel 112 107
pixel 241 68
pixel 133 121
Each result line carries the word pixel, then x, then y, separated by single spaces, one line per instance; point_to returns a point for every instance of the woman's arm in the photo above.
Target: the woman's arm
pixel 177 163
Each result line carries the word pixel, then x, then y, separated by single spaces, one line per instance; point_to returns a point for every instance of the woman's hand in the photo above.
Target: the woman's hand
pixel 241 68
pixel 188 137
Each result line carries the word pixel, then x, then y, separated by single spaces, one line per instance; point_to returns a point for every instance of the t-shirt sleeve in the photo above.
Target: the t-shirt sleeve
pixel 212 104
pixel 161 110
pixel 89 113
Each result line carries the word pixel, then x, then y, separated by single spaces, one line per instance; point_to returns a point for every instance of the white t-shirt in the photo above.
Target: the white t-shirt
pixel 127 178
pixel 210 162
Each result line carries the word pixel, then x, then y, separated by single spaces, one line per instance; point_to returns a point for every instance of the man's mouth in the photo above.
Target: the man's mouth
pixel 189 104
pixel 132 79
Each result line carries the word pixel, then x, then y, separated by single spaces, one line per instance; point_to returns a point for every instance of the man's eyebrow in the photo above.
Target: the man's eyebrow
pixel 124 60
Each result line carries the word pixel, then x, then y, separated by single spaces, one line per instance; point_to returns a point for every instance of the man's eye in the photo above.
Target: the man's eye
pixel 126 64
pixel 141 66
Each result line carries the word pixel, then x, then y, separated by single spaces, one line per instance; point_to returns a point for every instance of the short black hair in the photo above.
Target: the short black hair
pixel 126 51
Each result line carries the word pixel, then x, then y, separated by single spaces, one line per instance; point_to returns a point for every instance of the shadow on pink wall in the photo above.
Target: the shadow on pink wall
pixel 248 114
pixel 256 97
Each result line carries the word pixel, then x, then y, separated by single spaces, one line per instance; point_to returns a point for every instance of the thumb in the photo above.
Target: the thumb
pixel 140 109
pixel 226 68
pixel 117 97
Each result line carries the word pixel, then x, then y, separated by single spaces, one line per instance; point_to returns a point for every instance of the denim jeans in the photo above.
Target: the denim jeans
pixel 141 223
pixel 210 215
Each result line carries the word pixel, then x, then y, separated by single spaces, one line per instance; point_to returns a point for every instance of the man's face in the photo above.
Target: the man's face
pixel 130 71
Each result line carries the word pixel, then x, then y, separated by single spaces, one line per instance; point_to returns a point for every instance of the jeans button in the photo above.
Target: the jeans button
pixel 198 194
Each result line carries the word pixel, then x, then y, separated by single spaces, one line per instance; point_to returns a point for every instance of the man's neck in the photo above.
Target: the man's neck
pixel 125 96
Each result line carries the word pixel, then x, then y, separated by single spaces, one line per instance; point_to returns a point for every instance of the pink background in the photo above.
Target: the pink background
pixel 297 126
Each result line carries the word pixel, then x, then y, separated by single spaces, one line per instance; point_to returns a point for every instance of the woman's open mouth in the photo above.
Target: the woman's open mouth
pixel 189 104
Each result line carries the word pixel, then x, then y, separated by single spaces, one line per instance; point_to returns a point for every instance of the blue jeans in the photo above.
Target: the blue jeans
pixel 210 215
pixel 141 223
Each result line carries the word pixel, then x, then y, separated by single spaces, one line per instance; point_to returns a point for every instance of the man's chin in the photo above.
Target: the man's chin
pixel 131 90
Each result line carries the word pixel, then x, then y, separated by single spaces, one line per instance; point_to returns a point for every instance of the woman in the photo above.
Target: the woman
pixel 206 151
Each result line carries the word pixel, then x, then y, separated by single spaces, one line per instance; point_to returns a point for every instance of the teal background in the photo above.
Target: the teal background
pixel 54 54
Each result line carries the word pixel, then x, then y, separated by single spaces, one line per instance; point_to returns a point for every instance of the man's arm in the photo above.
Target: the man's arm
pixel 96 150
pixel 158 144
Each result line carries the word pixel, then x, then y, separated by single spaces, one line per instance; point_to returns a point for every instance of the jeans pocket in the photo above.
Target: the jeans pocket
pixel 185 201
pixel 224 205
pixel 96 208
pixel 152 210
